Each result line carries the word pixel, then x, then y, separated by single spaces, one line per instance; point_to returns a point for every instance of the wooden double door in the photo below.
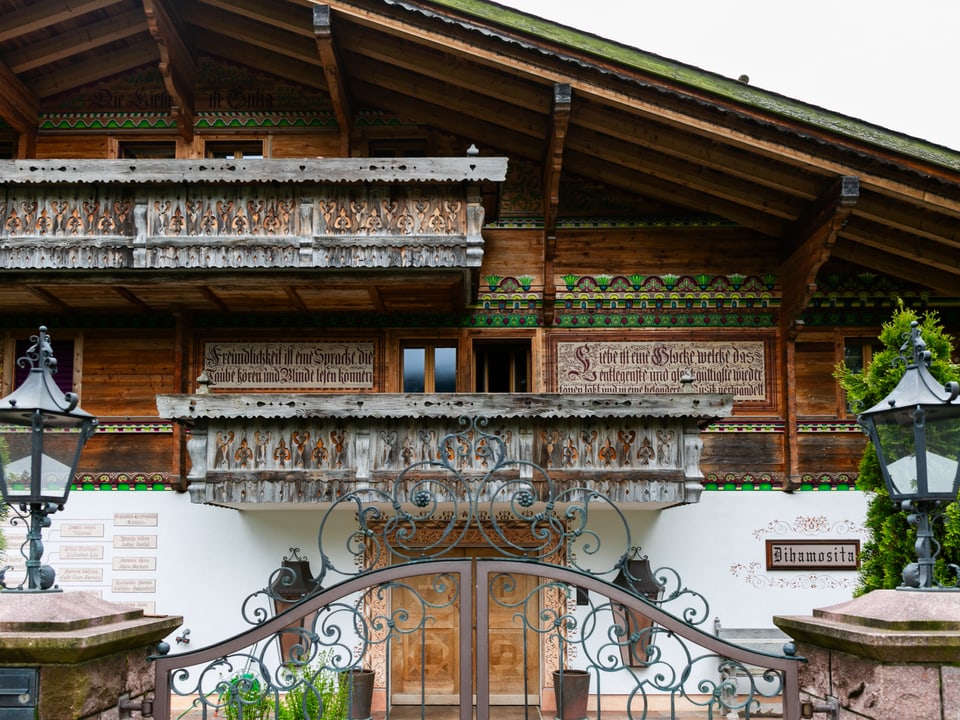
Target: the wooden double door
pixel 428 651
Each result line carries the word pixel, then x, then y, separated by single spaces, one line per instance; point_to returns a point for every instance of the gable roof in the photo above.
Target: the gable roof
pixel 807 184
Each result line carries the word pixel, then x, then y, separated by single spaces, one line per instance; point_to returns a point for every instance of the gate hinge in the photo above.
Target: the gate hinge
pixel 831 708
pixel 126 706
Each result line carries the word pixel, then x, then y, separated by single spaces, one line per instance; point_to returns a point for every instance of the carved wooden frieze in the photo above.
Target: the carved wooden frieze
pixel 278 214
pixel 640 450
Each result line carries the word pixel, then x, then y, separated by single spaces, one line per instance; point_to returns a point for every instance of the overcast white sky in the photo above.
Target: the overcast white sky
pixel 891 63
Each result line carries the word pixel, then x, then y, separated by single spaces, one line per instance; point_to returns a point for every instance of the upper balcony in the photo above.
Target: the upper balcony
pixel 374 224
pixel 256 451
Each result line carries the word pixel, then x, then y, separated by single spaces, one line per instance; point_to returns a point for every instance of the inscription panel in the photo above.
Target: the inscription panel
pixel 736 367
pixel 293 365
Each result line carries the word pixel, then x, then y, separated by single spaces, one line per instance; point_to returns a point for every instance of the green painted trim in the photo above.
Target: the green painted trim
pixel 703 81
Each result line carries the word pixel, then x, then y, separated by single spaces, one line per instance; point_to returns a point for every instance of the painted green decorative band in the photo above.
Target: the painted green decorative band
pixel 135 428
pixel 838 426
pixel 744 426
pixel 663 319
pixel 158 482
pixel 809 482
pixel 113 121
pixel 220 121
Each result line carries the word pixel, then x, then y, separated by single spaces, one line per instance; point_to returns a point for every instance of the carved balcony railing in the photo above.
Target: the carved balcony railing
pixel 259 450
pixel 188 214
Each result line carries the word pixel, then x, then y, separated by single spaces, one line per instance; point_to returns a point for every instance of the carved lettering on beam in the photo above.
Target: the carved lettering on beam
pixel 327 50
pixel 552 168
pixel 812 238
pixel 177 65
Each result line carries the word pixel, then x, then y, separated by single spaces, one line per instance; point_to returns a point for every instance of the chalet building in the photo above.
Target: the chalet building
pixel 283 247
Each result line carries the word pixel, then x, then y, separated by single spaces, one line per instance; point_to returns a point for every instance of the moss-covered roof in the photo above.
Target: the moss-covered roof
pixel 635 60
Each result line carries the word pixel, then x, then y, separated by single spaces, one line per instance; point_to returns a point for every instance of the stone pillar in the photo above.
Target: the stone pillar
pixel 888 655
pixel 90 653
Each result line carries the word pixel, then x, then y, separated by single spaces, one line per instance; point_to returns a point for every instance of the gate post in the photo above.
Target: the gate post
pixel 85 652
pixel 888 655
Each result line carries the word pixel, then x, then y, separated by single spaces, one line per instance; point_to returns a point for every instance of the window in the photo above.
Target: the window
pixel 502 367
pixel 234 149
pixel 858 352
pixel 857 355
pixel 147 149
pixel 429 368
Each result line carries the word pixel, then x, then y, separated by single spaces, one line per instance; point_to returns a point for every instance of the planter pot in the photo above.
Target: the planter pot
pixel 361 693
pixel 571 690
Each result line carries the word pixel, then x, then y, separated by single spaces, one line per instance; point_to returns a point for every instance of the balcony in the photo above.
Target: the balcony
pixel 269 451
pixel 185 234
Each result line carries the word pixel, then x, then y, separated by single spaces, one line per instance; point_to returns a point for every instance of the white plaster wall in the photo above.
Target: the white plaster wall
pixel 209 559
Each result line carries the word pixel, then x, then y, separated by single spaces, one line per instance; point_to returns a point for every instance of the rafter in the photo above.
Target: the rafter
pixel 811 239
pixel 332 71
pixel 88 71
pixel 937 280
pixel 19 107
pixel 552 169
pixel 210 19
pixel 177 65
pixel 282 66
pixel 281 15
pixel 669 191
pixel 45 13
pixel 94 35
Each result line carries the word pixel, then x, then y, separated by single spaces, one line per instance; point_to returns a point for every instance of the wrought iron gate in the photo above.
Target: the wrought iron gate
pixel 574 602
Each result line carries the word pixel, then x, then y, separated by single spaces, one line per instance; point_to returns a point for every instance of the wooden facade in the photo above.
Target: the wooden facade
pixel 447 175
pixel 282 247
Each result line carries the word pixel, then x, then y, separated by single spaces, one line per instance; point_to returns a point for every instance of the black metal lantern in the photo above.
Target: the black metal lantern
pixel 290 584
pixel 637 576
pixel 42 432
pixel 915 431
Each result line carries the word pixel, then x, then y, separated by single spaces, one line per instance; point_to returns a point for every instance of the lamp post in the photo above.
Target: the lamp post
pixel 42 432
pixel 637 576
pixel 915 431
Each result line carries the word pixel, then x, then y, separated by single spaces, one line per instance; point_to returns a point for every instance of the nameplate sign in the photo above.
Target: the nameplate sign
pixel 81 530
pixel 81 552
pixel 80 575
pixel 135 519
pixel 292 365
pixel 813 554
pixel 135 563
pixel 134 586
pixel 736 367
pixel 135 542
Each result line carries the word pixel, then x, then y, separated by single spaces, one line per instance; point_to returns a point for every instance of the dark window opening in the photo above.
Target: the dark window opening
pixel 234 149
pixel 502 367
pixel 398 148
pixel 147 149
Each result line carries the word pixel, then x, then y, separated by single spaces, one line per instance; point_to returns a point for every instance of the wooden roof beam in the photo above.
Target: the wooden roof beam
pixel 552 169
pixel 43 14
pixel 177 65
pixel 811 239
pixel 939 281
pixel 20 108
pixel 213 20
pixel 94 35
pixel 333 72
pixel 553 164
pixel 272 63
pixel 89 71
pixel 290 18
